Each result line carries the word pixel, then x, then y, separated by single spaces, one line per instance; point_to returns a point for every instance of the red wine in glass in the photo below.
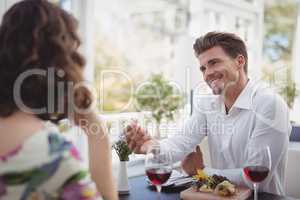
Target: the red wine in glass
pixel 256 173
pixel 158 176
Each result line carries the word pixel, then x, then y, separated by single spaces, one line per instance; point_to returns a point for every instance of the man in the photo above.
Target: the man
pixel 240 114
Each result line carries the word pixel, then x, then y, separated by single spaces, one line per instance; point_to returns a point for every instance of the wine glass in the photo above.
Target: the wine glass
pixel 158 165
pixel 258 165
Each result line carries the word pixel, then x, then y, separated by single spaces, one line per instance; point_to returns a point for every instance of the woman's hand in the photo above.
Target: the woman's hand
pixel 83 111
pixel 100 161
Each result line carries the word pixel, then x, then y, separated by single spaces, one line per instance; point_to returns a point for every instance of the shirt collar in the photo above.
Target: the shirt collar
pixel 244 100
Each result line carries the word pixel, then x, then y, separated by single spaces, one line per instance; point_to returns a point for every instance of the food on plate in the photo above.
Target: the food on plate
pixel 220 185
pixel 205 188
pixel 225 189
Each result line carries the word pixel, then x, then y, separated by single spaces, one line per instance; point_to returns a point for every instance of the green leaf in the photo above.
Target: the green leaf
pixel 122 150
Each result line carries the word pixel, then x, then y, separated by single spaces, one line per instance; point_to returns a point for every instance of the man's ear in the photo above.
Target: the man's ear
pixel 240 61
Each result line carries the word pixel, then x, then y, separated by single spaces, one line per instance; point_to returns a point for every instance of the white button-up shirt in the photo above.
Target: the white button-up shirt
pixel 258 117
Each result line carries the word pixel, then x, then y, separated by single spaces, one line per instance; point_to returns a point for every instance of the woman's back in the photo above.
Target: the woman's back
pixel 45 166
pixel 40 71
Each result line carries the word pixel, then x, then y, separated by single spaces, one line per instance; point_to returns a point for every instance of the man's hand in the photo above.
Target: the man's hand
pixel 137 138
pixel 192 162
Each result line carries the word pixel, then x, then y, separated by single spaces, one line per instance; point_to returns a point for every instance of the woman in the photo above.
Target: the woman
pixel 40 69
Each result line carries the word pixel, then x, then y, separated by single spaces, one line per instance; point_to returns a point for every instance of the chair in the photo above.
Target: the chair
pixel 292 179
pixel 293 164
pixel 295 134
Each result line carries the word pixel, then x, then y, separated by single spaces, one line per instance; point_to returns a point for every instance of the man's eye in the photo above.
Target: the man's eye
pixel 213 62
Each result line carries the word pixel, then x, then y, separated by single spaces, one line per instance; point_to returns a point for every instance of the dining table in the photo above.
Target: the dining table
pixel 140 190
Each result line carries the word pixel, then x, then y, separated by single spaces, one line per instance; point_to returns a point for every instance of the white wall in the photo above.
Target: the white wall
pixel 84 12
pixel 295 116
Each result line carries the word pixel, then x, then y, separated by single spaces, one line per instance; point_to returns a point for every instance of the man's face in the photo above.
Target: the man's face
pixel 218 69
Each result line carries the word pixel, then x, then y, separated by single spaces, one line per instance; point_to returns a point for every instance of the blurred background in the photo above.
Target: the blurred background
pixel 125 42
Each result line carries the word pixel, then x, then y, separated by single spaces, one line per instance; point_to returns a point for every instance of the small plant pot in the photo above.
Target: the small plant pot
pixel 123 185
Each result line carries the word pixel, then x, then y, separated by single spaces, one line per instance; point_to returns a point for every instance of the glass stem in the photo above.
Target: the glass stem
pixel 255 191
pixel 158 188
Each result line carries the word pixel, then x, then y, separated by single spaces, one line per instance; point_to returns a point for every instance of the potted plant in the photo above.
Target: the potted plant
pixel 123 153
pixel 161 98
pixel 282 80
pixel 289 92
pixel 122 150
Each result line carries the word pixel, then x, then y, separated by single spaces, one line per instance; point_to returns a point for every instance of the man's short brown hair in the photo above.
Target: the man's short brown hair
pixel 229 42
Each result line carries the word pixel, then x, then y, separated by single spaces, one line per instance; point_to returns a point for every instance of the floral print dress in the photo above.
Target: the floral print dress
pixel 45 167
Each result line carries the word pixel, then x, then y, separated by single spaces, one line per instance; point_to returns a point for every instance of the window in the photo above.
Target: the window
pixel 132 40
pixel 65 4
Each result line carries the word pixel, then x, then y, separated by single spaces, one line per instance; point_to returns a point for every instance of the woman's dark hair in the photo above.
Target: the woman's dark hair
pixel 229 42
pixel 38 35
